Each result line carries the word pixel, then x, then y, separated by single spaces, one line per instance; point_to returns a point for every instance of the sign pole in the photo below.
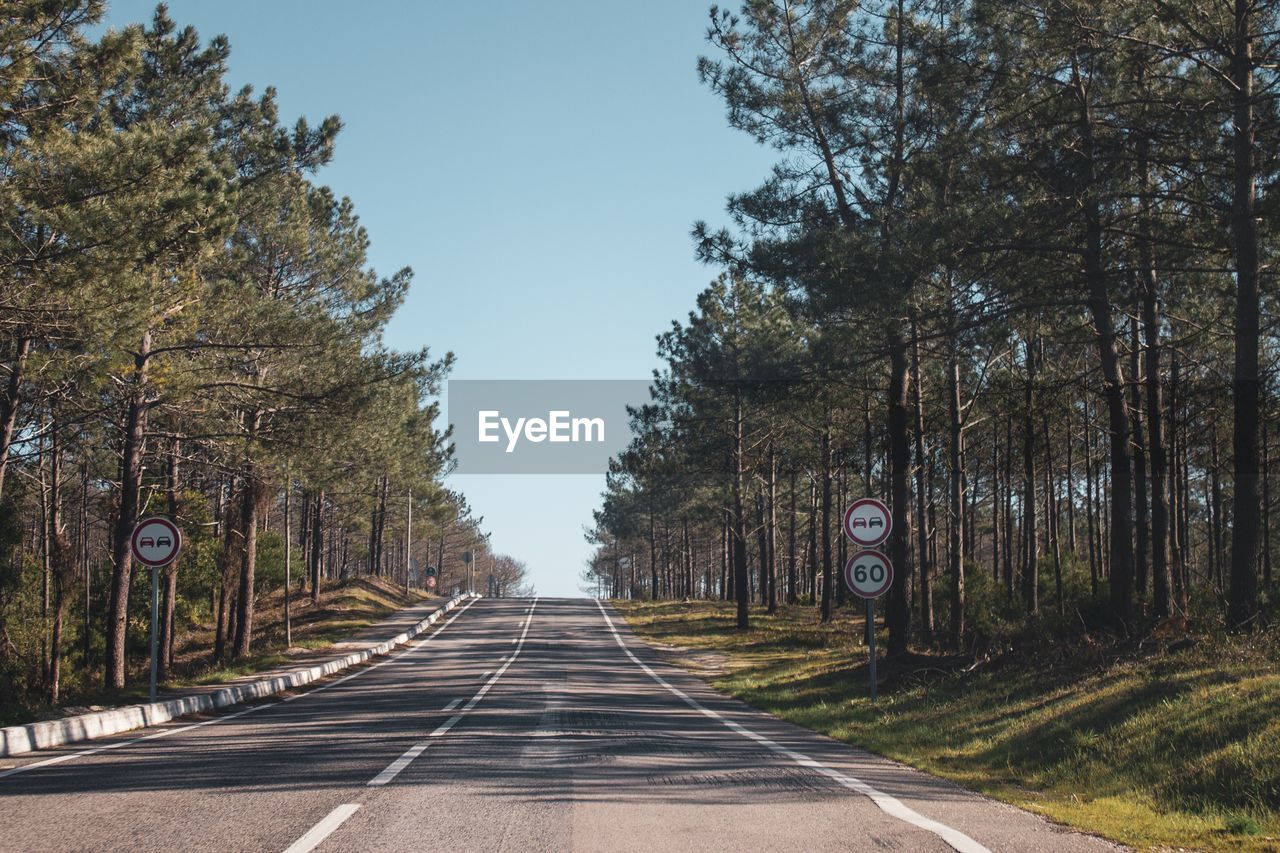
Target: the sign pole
pixel 869 573
pixel 155 618
pixel 871 634
pixel 155 542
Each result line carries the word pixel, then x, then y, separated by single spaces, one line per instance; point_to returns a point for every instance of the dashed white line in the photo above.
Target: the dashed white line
pixel 890 805
pixel 455 703
pixel 393 769
pixel 323 829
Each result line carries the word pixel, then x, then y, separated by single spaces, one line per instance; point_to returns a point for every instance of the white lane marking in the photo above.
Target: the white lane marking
pixel 166 732
pixel 484 675
pixel 890 805
pixel 322 830
pixel 393 769
pixel 455 703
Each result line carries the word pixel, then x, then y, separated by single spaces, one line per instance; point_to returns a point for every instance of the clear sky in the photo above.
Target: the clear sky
pixel 538 164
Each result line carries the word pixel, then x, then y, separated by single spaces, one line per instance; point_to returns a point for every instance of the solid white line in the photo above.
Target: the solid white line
pixel 455 703
pixel 890 805
pixel 166 732
pixel 393 769
pixel 322 830
pixel 417 645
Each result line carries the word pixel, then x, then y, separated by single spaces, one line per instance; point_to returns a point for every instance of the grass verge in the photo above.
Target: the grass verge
pixel 343 611
pixel 1143 746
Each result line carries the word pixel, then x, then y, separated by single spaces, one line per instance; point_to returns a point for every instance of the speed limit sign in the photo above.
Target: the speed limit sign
pixel 868 574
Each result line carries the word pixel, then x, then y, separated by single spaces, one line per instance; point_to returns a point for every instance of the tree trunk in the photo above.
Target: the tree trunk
pixel 925 588
pixel 317 546
pixel 62 563
pixel 898 614
pixel 1242 593
pixel 126 517
pixel 1160 538
pixel 1100 311
pixel 9 402
pixel 250 505
pixel 792 597
pixel 1030 545
pixel 771 498
pixel 741 582
pixel 164 652
pixel 955 481
pixel 825 529
pixel 1141 530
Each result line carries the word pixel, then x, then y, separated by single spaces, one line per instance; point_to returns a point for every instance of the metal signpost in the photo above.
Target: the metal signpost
pixel 869 573
pixel 155 543
pixel 467 557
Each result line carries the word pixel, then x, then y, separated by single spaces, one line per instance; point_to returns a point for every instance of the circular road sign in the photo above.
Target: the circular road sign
pixel 867 522
pixel 156 541
pixel 868 574
pixel 431 571
pixel 467 557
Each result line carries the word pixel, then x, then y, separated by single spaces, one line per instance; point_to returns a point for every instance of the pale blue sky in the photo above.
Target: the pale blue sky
pixel 538 164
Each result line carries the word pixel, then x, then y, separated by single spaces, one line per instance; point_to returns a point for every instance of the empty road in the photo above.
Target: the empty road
pixel 517 725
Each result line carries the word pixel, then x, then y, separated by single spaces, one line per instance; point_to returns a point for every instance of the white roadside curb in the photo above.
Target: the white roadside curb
pixel 16 740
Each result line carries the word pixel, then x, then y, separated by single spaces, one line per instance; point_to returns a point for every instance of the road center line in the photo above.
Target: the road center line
pixel 323 829
pixel 455 703
pixel 889 805
pixel 393 769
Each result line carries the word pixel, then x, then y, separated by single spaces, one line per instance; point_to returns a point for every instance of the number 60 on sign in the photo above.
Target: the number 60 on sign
pixel 868 574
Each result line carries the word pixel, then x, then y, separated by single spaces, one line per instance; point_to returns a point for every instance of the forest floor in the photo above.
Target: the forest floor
pixel 348 610
pixel 1148 747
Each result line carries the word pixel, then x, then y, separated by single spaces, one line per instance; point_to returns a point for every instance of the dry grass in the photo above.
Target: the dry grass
pixel 1145 747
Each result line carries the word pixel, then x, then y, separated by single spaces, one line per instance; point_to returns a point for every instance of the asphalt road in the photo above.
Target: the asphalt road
pixel 518 725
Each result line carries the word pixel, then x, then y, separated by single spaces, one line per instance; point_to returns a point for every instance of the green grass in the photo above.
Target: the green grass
pixel 1144 747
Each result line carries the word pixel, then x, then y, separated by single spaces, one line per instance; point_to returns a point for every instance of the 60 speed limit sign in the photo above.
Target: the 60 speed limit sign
pixel 868 574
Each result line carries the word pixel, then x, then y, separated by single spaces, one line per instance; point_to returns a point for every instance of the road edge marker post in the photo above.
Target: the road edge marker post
pixel 147 552
pixel 877 523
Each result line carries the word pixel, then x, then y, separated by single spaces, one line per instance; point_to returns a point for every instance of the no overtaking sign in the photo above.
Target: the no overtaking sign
pixel 156 542
pixel 867 522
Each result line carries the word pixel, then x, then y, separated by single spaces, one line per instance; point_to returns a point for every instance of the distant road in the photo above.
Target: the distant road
pixel 520 725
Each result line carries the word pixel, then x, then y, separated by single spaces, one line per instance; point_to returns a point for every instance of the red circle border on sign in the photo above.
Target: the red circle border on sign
pixel 177 541
pixel 888 516
pixel 888 580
